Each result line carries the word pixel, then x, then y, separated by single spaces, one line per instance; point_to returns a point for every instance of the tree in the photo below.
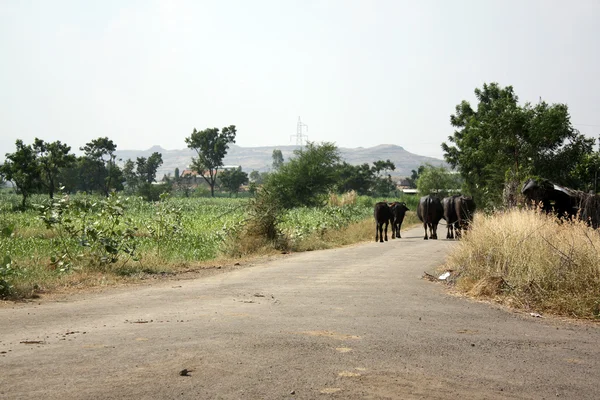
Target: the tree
pixel 588 172
pixel 258 177
pixel 52 157
pixel 437 181
pixel 232 179
pixel 101 167
pixel 501 140
pixel 383 183
pixel 22 168
pixel 130 175
pixel 307 178
pixel 176 174
pixel 359 178
pixel 412 180
pixel 277 159
pixel 147 167
pixel 211 147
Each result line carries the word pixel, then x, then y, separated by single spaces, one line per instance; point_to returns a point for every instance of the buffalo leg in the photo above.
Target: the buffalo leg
pixel 425 226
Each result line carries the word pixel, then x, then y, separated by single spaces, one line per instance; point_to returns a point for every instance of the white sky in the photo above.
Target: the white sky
pixel 359 73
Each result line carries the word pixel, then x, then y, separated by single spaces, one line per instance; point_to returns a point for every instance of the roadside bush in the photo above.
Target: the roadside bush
pixel 531 260
pixel 307 178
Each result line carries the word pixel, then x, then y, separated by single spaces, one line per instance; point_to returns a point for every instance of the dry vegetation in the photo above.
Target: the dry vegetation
pixel 532 261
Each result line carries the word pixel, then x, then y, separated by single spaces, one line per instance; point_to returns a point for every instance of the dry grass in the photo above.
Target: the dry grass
pixel 531 261
pixel 354 233
pixel 348 198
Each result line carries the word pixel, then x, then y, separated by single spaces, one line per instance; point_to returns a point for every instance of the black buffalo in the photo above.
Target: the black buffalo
pixel 564 202
pixel 383 215
pixel 464 207
pixel 430 212
pixel 398 212
pixel 552 197
pixel 449 206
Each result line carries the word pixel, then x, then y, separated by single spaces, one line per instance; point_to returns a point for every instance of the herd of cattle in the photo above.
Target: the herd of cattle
pixel 457 210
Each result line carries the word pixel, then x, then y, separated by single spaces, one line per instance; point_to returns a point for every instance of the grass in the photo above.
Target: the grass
pixel 531 261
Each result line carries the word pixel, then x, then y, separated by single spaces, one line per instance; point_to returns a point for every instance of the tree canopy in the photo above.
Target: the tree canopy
pixel 438 181
pixel 501 140
pixel 52 157
pixel 233 179
pixel 277 159
pixel 21 167
pixel 307 177
pixel 211 146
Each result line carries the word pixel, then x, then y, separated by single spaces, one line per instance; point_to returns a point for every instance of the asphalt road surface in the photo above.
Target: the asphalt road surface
pixel 351 323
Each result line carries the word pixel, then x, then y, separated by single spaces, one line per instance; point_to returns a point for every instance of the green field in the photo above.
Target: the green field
pixel 86 238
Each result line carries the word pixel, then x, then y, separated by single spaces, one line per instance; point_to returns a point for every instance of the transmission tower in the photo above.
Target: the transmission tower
pixel 299 136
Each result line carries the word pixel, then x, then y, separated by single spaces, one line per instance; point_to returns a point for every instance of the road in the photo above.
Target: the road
pixel 350 323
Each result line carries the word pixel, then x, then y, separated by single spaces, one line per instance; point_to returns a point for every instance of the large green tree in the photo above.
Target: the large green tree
pixel 211 146
pixel 500 140
pixel 22 168
pixel 147 167
pixel 100 165
pixel 438 181
pixel 359 178
pixel 233 179
pixel 52 158
pixel 306 178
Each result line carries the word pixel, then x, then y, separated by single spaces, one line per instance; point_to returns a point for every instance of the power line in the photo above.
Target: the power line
pixel 299 136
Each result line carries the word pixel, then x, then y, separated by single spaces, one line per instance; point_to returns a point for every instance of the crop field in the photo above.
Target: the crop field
pixel 87 240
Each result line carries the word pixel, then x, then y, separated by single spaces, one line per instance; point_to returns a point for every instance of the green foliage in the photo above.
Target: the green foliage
pixel 101 229
pixel 437 181
pixel 22 168
pixel 372 180
pixel 152 192
pixel 7 273
pixel 130 176
pixel 587 172
pixel 167 222
pixel 307 178
pixel 500 138
pixel 412 180
pixel 211 147
pixel 355 177
pixel 233 179
pixel 147 167
pixel 52 157
pixel 99 167
pixel 298 223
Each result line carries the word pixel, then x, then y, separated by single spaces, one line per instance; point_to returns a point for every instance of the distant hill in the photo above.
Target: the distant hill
pixel 260 158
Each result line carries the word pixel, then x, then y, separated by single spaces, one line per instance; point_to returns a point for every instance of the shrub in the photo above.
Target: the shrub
pixel 544 264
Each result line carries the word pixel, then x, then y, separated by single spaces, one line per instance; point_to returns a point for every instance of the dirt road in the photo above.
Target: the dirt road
pixel 351 323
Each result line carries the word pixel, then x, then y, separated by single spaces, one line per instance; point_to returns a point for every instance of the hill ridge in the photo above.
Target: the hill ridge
pixel 259 158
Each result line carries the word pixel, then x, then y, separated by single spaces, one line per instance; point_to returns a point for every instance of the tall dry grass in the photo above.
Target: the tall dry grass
pixel 348 198
pixel 533 261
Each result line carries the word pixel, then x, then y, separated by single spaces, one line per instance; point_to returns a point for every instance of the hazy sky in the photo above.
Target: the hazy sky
pixel 359 73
